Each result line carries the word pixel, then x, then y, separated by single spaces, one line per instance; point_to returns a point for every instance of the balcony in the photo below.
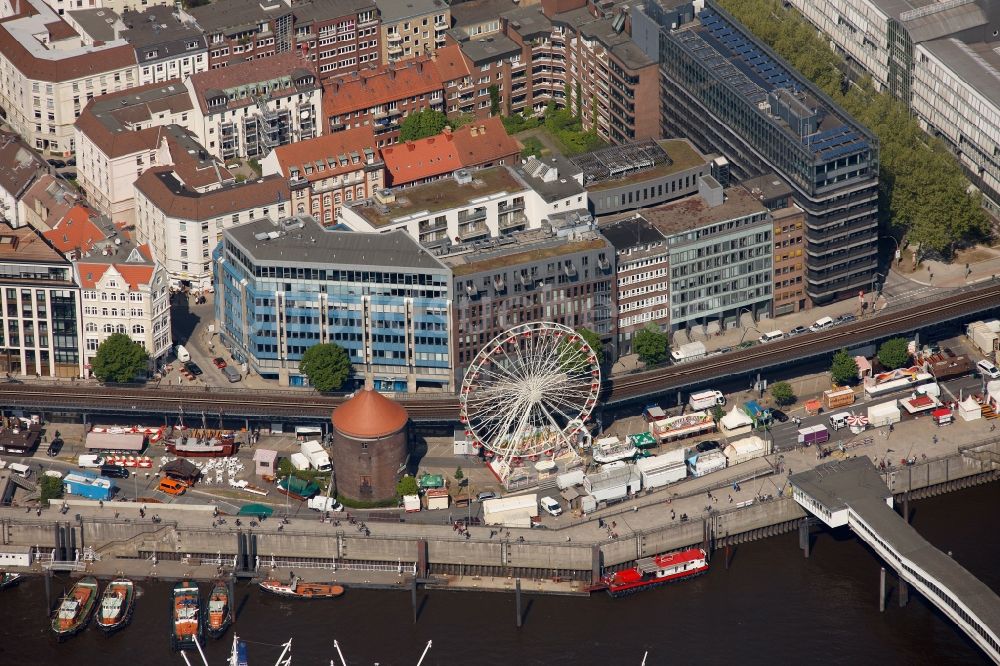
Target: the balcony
pixel 862 253
pixel 830 275
pixel 394 38
pixel 569 269
pixel 476 215
pixel 512 221
pixel 498 283
pixel 821 249
pixel 473 231
pixel 505 207
pixel 603 263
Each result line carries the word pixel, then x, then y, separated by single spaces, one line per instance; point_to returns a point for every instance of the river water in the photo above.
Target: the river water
pixel 772 606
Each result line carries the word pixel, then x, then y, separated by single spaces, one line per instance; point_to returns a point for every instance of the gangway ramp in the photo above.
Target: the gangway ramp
pixel 852 493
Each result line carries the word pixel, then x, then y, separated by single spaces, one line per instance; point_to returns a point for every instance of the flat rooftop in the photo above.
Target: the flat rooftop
pixel 528 247
pixel 552 177
pixel 693 213
pixel 634 232
pixel 529 21
pixel 682 156
pixel 301 240
pixel 488 49
pixel 391 11
pixel 441 195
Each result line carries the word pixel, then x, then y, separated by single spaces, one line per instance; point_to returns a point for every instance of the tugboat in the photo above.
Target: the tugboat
pixel 220 614
pixel 301 590
pixel 76 608
pixel 9 579
pixel 185 615
pixel 655 571
pixel 116 606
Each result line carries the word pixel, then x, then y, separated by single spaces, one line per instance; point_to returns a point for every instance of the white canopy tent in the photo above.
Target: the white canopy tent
pixel 970 410
pixel 736 422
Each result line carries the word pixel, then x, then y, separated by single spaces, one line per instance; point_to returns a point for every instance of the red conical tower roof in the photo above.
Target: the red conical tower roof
pixel 369 415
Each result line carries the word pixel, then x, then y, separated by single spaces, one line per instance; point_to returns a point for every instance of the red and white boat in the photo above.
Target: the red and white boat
pixel 655 571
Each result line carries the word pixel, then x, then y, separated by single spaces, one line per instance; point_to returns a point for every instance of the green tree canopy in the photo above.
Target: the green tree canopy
pixel 652 345
pixel 923 189
pixel 844 370
pixel 893 353
pixel 782 393
pixel 494 100
pixel 406 486
pixel 50 487
pixel 326 365
pixel 459 474
pixel 119 359
pixel 422 124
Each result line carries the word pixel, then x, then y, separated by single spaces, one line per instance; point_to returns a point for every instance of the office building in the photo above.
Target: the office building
pixel 939 58
pixel 40 303
pixel 285 285
pixel 730 94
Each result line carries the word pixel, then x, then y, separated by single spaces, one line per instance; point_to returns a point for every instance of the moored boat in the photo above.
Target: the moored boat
pixel 302 590
pixel 75 609
pixel 116 606
pixel 220 614
pixel 655 571
pixel 9 579
pixel 185 616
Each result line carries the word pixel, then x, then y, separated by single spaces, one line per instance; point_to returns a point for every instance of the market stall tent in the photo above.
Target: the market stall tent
pixel 884 414
pixel 970 410
pixel 736 422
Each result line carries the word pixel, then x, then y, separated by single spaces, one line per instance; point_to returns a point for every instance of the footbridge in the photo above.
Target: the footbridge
pixel 853 493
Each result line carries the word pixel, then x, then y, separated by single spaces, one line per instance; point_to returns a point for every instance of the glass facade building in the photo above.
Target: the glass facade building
pixel 284 286
pixel 728 93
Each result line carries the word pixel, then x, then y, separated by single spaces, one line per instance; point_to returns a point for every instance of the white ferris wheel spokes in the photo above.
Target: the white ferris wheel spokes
pixel 529 392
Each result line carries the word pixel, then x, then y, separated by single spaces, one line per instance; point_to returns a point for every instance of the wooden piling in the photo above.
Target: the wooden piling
pixel 881 591
pixel 413 598
pixel 904 593
pixel 517 596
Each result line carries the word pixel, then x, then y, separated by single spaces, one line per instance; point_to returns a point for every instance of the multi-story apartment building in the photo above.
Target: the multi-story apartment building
pixel 638 175
pixel 49 71
pixel 183 225
pixel 40 307
pixel 166 46
pixel 940 58
pixel 471 206
pixel 285 285
pixel 642 278
pixel 381 98
pixel 237 30
pixel 65 7
pixel 329 172
pixel 412 28
pixel 720 247
pixel 478 145
pixel 126 292
pixel 339 36
pixel 563 273
pixel 119 135
pixel 729 93
pixel 789 242
pixel 22 167
pixel 247 109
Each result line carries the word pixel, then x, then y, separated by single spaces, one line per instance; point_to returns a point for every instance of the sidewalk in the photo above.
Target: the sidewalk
pixel 983 264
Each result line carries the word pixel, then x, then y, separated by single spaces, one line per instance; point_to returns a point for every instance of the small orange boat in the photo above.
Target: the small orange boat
pixel 74 611
pixel 302 590
pixel 220 614
pixel 185 614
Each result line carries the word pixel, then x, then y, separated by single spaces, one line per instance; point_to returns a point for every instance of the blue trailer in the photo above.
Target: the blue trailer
pixel 89 485
pixel 761 415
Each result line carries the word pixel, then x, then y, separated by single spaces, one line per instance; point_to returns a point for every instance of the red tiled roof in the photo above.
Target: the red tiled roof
pixel 134 274
pixel 451 63
pixel 162 188
pixel 247 73
pixel 67 68
pixel 374 87
pixel 76 231
pixel 322 148
pixel 369 415
pixel 419 160
pixel 482 142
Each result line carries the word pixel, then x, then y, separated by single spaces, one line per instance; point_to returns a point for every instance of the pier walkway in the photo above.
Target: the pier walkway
pixel 853 493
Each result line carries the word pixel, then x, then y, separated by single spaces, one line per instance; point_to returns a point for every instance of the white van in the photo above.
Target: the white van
pixel 839 420
pixel 771 337
pixel 550 506
pixel 182 354
pixel 22 471
pixel 302 433
pixel 820 324
pixel 90 461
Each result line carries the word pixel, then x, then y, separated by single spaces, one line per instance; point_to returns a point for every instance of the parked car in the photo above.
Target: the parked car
pixel 707 445
pixel 798 330
pixel 58 164
pixel 779 415
pixel 193 368
pixel 487 495
pixel 54 447
pixel 69 175
pixel 115 471
pixel 846 319
pixel 724 350
pixel 987 369
pixel 219 362
pixel 71 162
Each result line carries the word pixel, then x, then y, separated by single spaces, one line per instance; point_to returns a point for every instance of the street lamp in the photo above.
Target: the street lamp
pixel 897 254
pixel 879 284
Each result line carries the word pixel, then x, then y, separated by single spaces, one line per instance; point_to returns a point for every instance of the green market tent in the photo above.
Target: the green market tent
pixel 432 481
pixel 255 510
pixel 297 486
pixel 642 440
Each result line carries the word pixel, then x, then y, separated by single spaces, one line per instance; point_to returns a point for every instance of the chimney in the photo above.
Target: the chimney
pixel 392 73
pixel 410 146
pixel 335 87
pixel 420 66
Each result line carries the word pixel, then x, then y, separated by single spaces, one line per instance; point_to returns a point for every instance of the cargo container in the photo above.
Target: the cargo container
pixel 706 463
pixel 516 511
pixel 89 485
pixel 659 471
pixel 613 482
pixel 884 414
pixel 299 461
pixel 838 397
pixel 688 352
pixel 816 434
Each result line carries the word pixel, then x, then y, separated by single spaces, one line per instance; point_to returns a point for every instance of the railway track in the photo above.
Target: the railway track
pixel 631 387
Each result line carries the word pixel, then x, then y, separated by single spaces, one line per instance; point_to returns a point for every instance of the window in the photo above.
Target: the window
pixel 138 329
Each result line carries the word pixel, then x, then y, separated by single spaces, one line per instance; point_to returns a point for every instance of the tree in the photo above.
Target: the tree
pixel 459 474
pixel 844 370
pixel 494 100
pixel 579 101
pixel 50 487
pixel 406 486
pixel 652 345
pixel 782 393
pixel 571 354
pixel 422 124
pixel 893 353
pixel 717 413
pixel 326 365
pixel 119 359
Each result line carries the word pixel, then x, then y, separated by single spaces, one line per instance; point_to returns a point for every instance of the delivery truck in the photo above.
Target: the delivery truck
pixel 706 400
pixel 688 352
pixel 316 455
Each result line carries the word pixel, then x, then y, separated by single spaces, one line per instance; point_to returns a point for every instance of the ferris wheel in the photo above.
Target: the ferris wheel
pixel 528 393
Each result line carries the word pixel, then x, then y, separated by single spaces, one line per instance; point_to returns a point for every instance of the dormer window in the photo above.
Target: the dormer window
pixel 152 54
